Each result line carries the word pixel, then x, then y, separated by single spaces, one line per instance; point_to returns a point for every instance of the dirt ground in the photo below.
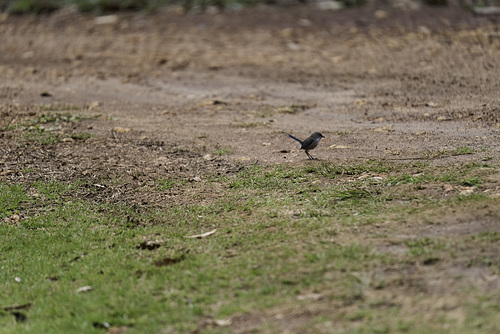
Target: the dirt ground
pixel 181 97
pixel 380 84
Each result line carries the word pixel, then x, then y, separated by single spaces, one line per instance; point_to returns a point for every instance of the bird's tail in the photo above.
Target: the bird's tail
pixel 297 139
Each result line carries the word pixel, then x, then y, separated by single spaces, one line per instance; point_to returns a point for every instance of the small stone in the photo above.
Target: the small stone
pixel 266 144
pixel 28 55
pixel 432 104
pixel 381 14
pixel 106 19
pixel 305 22
pixel 424 30
pixel 467 191
pixel 293 46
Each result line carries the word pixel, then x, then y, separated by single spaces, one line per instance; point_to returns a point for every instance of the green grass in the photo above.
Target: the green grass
pixel 108 6
pixel 81 136
pixel 73 246
pixel 37 135
pixel 166 184
pixel 46 129
pixel 99 6
pixel 51 117
pixel 221 151
pixel 282 232
pixel 462 150
pixel 11 198
pixel 292 109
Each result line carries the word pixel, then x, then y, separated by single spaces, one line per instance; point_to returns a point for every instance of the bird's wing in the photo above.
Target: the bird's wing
pixel 308 143
pixel 297 139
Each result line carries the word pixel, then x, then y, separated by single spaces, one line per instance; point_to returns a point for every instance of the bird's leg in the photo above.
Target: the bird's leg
pixel 310 156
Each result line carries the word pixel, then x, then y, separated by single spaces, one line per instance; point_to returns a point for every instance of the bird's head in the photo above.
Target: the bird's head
pixel 317 135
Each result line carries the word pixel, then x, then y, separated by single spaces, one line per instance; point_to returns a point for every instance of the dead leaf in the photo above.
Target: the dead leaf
pixel 94 105
pixel 203 235
pixel 222 322
pixel 334 146
pixel 14 219
pixel 467 191
pixel 167 261
pixel 310 296
pixel 118 129
pixel 86 288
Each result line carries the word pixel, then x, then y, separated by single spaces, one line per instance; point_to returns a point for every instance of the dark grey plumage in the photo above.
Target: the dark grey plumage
pixel 309 143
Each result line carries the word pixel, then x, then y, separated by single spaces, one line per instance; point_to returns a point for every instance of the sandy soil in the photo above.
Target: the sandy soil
pixel 376 88
pixel 378 84
pixel 181 97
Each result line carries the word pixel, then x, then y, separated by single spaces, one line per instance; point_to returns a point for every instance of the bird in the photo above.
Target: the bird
pixel 309 143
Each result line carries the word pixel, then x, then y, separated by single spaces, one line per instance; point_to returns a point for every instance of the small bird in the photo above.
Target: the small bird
pixel 310 143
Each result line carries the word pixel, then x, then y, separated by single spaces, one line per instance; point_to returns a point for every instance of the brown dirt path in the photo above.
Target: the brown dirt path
pixel 405 85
